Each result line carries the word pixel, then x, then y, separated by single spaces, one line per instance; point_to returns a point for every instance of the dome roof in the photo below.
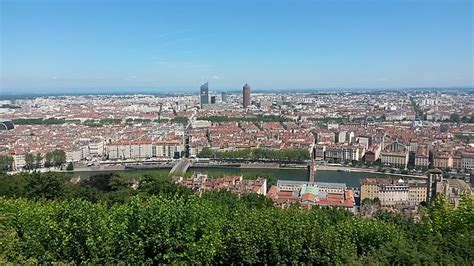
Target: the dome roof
pixel 6 125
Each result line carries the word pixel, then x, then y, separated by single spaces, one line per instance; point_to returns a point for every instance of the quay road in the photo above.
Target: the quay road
pixel 182 165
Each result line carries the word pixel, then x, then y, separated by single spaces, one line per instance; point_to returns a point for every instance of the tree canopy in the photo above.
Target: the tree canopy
pixel 257 118
pixel 105 220
pixel 6 163
pixel 258 154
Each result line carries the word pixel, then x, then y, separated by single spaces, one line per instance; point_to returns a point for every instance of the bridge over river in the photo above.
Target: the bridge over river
pixel 180 167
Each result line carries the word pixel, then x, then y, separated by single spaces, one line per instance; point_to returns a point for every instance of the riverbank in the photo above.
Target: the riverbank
pixel 366 170
pixel 322 174
pixel 242 167
pixel 271 166
pixel 327 168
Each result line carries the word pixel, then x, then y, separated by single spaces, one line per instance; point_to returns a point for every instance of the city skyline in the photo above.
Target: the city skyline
pixel 286 45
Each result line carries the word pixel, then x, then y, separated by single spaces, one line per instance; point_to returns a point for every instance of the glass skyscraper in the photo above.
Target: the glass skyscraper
pixel 246 95
pixel 204 93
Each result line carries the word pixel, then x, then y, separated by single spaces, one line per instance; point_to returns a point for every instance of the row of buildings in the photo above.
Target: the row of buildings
pixel 119 150
pixel 235 184
pixel 396 154
pixel 284 193
pixel 141 150
pixel 393 193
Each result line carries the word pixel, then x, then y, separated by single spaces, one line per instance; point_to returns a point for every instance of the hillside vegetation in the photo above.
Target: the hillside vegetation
pixel 44 218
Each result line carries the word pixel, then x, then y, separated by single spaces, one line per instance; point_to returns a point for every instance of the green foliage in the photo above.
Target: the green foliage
pixel 13 185
pixel 206 153
pixel 177 119
pixel 105 182
pixel 38 121
pixel 38 160
pixel 29 161
pixel 258 118
pixel 101 122
pixel 180 120
pixel 70 167
pixel 54 158
pixel 6 163
pixel 137 121
pixel 105 221
pixel 45 186
pixel 94 122
pixel 455 118
pixel 258 154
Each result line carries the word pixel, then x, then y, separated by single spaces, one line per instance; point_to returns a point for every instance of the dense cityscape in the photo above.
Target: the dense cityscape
pixel 410 150
pixel 398 132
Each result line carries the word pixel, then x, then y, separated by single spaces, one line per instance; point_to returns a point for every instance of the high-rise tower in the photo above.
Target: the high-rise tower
pixel 204 93
pixel 246 92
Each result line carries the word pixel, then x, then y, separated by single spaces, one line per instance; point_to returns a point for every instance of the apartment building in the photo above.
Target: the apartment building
pixel 129 150
pixel 467 161
pixel 18 161
pixel 416 192
pixel 373 153
pixel 77 153
pixel 395 154
pixel 442 159
pixel 392 192
pixel 167 149
pixel 319 152
pixel 422 157
pixel 344 152
pixel 96 148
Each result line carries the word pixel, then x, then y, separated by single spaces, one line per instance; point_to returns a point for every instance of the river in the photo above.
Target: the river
pixel 351 179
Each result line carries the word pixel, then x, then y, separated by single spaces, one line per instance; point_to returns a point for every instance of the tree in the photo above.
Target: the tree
pixel 367 201
pixel 58 157
pixel 206 153
pixel 29 161
pixel 258 154
pixel 70 167
pixel 256 200
pixel 455 118
pixel 38 160
pixel 158 224
pixel 100 181
pixel 45 186
pixel 376 201
pixel 6 163
pixel 38 121
pixel 13 186
pixel 48 159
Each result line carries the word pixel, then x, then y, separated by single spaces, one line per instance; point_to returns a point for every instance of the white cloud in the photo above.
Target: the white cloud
pixel 130 78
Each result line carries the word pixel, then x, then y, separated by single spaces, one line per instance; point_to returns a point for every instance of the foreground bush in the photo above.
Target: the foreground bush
pixel 188 229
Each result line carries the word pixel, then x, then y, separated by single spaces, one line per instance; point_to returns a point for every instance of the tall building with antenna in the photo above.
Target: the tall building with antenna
pixel 204 93
pixel 246 94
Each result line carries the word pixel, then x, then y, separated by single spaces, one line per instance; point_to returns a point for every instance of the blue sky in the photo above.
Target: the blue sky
pixel 104 44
